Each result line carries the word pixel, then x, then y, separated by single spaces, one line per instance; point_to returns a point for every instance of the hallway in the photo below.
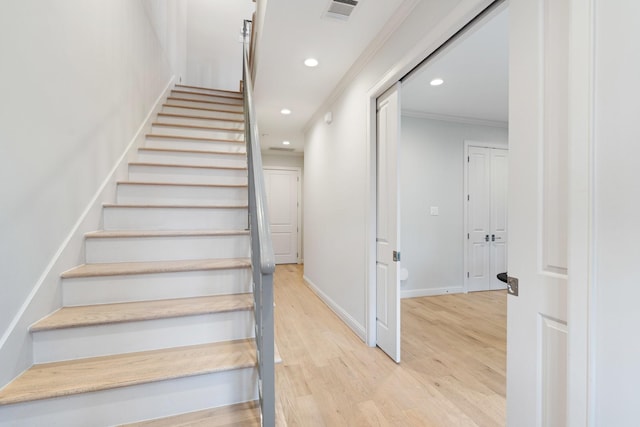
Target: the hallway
pixel 452 371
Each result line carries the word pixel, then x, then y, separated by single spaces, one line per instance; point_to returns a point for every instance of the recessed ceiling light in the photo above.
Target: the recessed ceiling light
pixel 436 82
pixel 285 111
pixel 311 62
pixel 285 143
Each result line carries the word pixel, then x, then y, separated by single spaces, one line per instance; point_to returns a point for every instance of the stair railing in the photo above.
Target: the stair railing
pixel 262 256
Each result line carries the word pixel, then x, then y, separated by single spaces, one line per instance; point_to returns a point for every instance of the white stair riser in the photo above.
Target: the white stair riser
pixel 186 175
pixel 163 218
pixel 206 97
pixel 207 113
pixel 190 121
pixel 180 195
pixel 145 287
pixel 140 249
pixel 198 133
pixel 188 158
pixel 202 104
pixel 136 403
pixel 103 340
pixel 185 144
pixel 209 91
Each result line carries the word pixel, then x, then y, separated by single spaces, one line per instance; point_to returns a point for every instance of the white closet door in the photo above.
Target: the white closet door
pixel 282 199
pixel 479 221
pixel 486 217
pixel 498 248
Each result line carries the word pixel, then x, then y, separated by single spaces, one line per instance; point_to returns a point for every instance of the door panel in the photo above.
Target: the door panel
pixel 486 217
pixel 388 224
pixel 282 198
pixel 499 181
pixel 478 175
pixel 537 334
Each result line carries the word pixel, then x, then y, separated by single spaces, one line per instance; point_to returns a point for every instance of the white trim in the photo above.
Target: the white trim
pixel 49 275
pixel 454 119
pixel 299 231
pixel 429 292
pixel 352 323
pixel 582 240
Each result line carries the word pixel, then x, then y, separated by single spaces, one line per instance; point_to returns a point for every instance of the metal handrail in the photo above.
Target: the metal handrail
pixel 262 255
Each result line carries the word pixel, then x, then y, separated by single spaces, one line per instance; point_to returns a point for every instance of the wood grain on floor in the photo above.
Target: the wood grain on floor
pixel 452 371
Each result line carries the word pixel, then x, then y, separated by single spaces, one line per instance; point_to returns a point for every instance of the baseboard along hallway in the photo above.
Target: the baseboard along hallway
pixel 452 371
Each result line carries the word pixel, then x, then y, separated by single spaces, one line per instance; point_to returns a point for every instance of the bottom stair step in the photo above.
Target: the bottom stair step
pixel 128 388
pixel 245 414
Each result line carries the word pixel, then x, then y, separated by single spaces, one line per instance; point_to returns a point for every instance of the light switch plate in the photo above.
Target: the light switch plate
pixel 434 210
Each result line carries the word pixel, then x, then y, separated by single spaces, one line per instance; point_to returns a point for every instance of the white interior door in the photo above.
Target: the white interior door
pixel 486 217
pixel 537 318
pixel 498 226
pixel 282 198
pixel 388 224
pixel 479 218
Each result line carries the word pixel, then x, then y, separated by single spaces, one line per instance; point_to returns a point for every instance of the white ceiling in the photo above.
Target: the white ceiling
pixel 292 31
pixel 474 68
pixel 475 71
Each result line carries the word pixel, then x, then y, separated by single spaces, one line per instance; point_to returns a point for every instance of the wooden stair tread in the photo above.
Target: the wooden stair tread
pixel 106 372
pixel 102 314
pixel 138 206
pixel 107 234
pixel 180 184
pixel 178 150
pixel 245 414
pixel 180 91
pixel 152 267
pixel 176 165
pixel 231 104
pixel 192 138
pixel 188 116
pixel 181 126
pixel 215 90
pixel 202 109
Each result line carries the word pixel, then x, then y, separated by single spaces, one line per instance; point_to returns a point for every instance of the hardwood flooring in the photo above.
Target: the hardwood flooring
pixel 452 371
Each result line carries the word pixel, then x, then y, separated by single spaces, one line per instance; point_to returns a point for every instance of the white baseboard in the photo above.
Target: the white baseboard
pixel 428 292
pixel 16 347
pixel 352 323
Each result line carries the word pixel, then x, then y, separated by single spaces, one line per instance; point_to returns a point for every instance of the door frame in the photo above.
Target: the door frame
pixel 581 242
pixel 298 170
pixel 465 170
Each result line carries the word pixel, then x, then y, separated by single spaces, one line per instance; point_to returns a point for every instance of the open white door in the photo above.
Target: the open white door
pixel 538 138
pixel 388 224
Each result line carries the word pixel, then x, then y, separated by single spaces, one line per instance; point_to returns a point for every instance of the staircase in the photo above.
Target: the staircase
pixel 159 321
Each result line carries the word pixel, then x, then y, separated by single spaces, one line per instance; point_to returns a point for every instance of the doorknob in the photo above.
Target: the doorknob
pixel 493 237
pixel 486 238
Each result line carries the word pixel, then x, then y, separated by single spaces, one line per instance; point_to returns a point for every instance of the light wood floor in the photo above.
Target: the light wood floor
pixel 452 371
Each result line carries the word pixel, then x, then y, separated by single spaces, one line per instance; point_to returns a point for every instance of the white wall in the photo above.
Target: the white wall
pixel 337 172
pixel 615 315
pixel 78 80
pixel 431 174
pixel 214 52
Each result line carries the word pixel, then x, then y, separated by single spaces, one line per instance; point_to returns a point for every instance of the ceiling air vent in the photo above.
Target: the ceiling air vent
pixel 340 9
pixel 281 149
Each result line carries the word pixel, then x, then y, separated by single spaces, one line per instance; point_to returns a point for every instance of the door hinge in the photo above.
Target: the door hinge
pixel 468 161
pixel 396 256
pixel 467 197
pixel 467 274
pixel 467 236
